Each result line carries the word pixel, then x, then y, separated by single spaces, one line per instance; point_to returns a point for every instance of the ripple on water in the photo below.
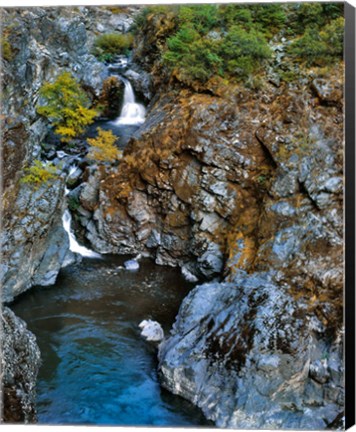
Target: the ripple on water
pixel 96 368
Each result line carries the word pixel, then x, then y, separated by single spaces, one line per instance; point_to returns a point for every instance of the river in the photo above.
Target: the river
pixel 96 367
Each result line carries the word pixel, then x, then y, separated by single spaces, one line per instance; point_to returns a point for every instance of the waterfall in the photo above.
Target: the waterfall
pixel 132 113
pixel 74 246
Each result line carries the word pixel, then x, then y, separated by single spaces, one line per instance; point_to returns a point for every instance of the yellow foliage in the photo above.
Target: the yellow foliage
pixel 66 106
pixel 39 173
pixel 102 148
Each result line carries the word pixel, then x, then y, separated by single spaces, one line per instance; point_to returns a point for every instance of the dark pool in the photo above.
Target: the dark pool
pixel 96 367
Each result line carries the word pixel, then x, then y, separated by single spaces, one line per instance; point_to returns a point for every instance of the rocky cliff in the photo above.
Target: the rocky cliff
pixel 245 186
pixel 241 187
pixel 43 42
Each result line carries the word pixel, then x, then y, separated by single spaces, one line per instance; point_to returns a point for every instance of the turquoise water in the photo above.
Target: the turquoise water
pixel 96 368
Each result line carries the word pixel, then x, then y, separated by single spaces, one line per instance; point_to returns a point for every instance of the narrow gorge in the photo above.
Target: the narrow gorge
pixel 184 165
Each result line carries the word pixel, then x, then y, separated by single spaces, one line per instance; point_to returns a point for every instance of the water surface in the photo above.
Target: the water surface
pixel 96 367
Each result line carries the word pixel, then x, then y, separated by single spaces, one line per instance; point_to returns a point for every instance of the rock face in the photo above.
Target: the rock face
pixel 249 185
pixel 44 42
pixel 20 361
pixel 238 187
pixel 35 244
pixel 264 348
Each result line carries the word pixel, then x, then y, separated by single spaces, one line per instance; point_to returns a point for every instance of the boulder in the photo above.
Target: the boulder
pixel 20 362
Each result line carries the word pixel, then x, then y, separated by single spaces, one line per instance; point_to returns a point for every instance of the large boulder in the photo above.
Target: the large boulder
pixel 20 362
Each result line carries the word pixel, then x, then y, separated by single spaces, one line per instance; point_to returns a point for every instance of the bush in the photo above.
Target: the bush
pixel 244 52
pixel 196 58
pixel 202 17
pixel 319 48
pixel 198 54
pixel 102 148
pixel 39 173
pixel 66 106
pixel 111 44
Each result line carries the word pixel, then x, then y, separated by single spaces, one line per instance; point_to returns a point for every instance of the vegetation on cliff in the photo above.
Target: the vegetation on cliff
pixel 66 106
pixel 102 148
pixel 235 41
pixel 108 45
pixel 39 173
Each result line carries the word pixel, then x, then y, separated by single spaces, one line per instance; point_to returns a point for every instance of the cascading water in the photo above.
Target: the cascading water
pixel 74 246
pixel 132 113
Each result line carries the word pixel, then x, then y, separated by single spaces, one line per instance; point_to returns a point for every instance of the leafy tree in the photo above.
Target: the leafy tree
pixel 66 106
pixel 102 148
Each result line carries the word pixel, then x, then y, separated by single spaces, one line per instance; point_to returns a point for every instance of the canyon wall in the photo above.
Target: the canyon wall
pixel 241 187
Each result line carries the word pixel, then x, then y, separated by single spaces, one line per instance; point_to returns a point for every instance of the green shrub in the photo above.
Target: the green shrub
pixel 202 17
pixel 111 44
pixel 266 18
pixel 196 58
pixel 236 52
pixel 313 15
pixel 67 106
pixel 244 52
pixel 319 48
pixel 39 173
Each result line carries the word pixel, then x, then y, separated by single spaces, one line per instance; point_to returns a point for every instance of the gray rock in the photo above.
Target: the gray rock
pixel 131 265
pixel 20 362
pixel 151 331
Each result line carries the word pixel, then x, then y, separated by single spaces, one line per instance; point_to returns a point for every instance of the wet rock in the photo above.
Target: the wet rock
pixel 190 277
pixel 20 362
pixel 151 331
pixel 141 81
pixel 131 265
pixel 36 261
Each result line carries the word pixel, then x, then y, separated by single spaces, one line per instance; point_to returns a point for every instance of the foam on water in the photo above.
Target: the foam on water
pixel 132 113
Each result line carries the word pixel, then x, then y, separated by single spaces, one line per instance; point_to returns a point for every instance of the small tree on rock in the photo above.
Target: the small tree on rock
pixel 102 148
pixel 66 106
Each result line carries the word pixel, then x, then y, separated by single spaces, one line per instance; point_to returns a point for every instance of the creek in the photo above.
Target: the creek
pixel 96 367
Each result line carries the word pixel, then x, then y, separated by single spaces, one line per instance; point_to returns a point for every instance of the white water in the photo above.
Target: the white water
pixel 74 246
pixel 132 113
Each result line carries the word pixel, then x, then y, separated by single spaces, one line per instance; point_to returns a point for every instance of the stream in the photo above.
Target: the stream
pixel 96 367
